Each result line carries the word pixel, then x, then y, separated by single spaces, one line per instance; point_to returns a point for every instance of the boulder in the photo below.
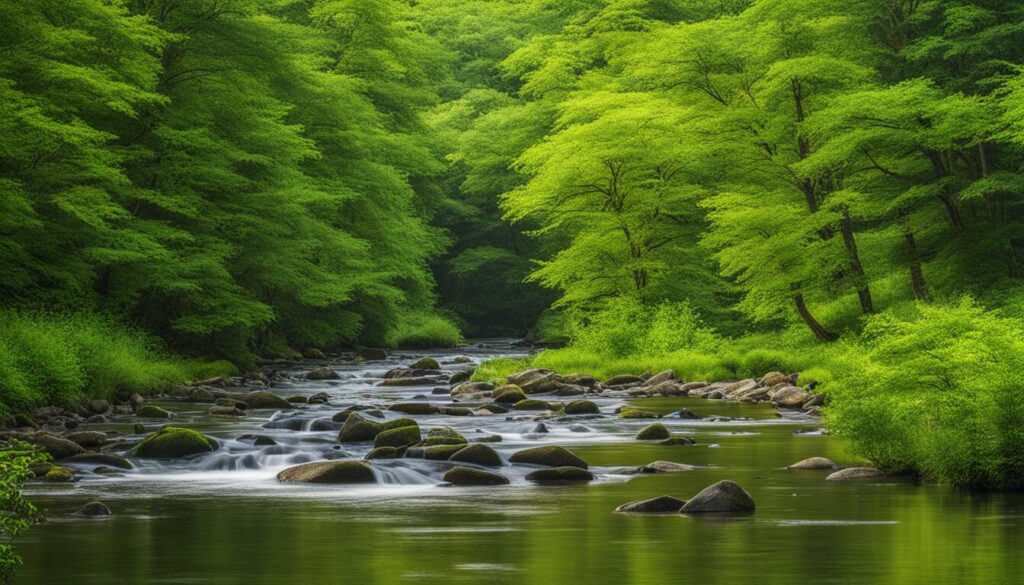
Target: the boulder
pixel 738 387
pixel 658 505
pixel 336 472
pixel 384 453
pixel 531 404
pixel 312 353
pixel 724 496
pixel 412 381
pixel 814 463
pixel 856 474
pixel 655 432
pixel 98 460
pixel 665 467
pixel 456 411
pixel 398 437
pixel 472 388
pixel 371 354
pixel 661 377
pixel 420 408
pixel 263 441
pixel 153 411
pixel 772 378
pixel 790 397
pixel 527 376
pixel 434 453
pixel 298 399
pixel 477 454
pixel 98 406
pixel 173 442
pixel 549 456
pixel 225 411
pixel 201 395
pixel 471 476
pixel 673 441
pixel 358 428
pixel 443 436
pixel 87 439
pixel 93 509
pixel 623 379
pixel 509 394
pixel 322 373
pixel 57 447
pixel 581 407
pixel 426 363
pixel 554 474
pixel 58 474
pixel 461 376
pixel 637 413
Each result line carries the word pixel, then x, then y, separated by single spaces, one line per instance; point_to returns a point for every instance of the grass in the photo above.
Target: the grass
pixel 56 359
pixel 424 330
pixel 500 368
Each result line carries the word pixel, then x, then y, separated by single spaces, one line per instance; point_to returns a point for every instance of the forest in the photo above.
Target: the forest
pixel 721 188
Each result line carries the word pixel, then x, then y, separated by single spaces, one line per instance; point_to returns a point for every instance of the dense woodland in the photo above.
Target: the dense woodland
pixel 723 186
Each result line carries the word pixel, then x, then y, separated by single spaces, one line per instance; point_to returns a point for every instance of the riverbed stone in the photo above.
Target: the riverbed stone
pixel 581 407
pixel 322 373
pixel 773 378
pixel 443 436
pixel 724 496
pixel 655 432
pixel 814 463
pixel 549 456
pixel 331 472
pixel 630 412
pixel 509 394
pixel 400 437
pixel 57 447
pixel 676 441
pixel 384 453
pixel 665 467
pixel 87 439
pixel 358 428
pixel 172 443
pixel 658 505
pixel 478 454
pixel 434 453
pixel 426 363
pixel 790 397
pixel 473 477
pixel 225 411
pixel 261 399
pixel 532 404
pixel 417 408
pixel 557 474
pixel 856 474
pixel 153 411
pixel 661 377
pixel 94 510
pixel 99 460
pixel 371 354
pixel 461 376
pixel 58 474
pixel 623 379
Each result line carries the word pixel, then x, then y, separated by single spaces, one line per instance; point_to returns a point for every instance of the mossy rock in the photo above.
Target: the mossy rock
pixel 435 453
pixel 358 428
pixel 549 456
pixel 24 420
pixel 637 413
pixel 456 411
pixel 57 447
pixel 153 411
pixel 509 394
pixel 478 454
pixel 672 441
pixel 555 474
pixel 58 474
pixel 384 453
pixel 581 407
pixel 261 399
pixel 443 436
pixel 398 423
pixel 400 437
pixel 655 432
pixel 488 439
pixel 99 459
pixel 426 364
pixel 495 408
pixel 420 408
pixel 173 442
pixel 337 472
pixel 471 476
pixel 532 404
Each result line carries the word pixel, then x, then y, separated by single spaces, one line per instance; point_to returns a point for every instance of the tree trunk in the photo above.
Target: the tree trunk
pixel 863 290
pixel 916 276
pixel 817 328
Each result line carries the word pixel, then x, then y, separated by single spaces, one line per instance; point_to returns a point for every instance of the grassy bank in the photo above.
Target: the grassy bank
pixel 56 359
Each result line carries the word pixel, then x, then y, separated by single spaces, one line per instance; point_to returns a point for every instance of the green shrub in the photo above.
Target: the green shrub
pixel 759 362
pixel 16 513
pixel 424 330
pixel 500 368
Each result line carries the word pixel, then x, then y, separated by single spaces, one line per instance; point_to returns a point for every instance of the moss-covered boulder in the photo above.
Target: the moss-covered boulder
pixel 435 453
pixel 153 411
pixel 426 364
pixel 456 411
pixel 94 509
pixel 478 454
pixel 637 413
pixel 338 472
pixel 472 476
pixel 655 432
pixel 556 474
pixel 58 474
pixel 658 505
pixel 724 496
pixel 57 447
pixel 98 460
pixel 358 428
pixel 400 437
pixel 532 404
pixel 548 456
pixel 384 453
pixel 261 399
pixel 87 439
pixel 509 394
pixel 173 442
pixel 581 407
pixel 420 408
pixel 443 436
pixel 494 408
pixel 398 423
pixel 677 441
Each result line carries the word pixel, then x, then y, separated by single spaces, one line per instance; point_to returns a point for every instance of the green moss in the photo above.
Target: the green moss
pixel 499 368
pixel 443 436
pixel 400 437
pixel 436 452
pixel 655 432
pixel 509 394
pixel 478 454
pixel 471 476
pixel 556 474
pixel 173 442
pixel 581 407
pixel 58 474
pixel 384 453
pixel 426 363
pixel 358 428
pixel 532 404
pixel 637 413
pixel 398 423
pixel 548 455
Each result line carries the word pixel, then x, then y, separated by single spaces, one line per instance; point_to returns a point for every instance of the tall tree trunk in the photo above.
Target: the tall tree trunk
pixel 941 172
pixel 863 290
pixel 916 276
pixel 817 328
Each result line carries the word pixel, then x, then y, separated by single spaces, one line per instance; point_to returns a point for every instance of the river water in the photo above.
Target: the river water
pixel 223 518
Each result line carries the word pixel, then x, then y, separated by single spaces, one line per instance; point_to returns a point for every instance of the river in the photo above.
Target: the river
pixel 224 519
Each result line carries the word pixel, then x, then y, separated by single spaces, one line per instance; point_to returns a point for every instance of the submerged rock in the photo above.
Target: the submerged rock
pixel 153 411
pixel 814 463
pixel 655 432
pixel 99 459
pixel 471 476
pixel 478 454
pixel 322 373
pixel 581 407
pixel 336 472
pixel 856 474
pixel 658 505
pixel 405 436
pixel 560 474
pixel 637 413
pixel 173 442
pixel 384 453
pixel 673 441
pixel 665 467
pixel 420 408
pixel 724 496
pixel 549 455
pixel 93 509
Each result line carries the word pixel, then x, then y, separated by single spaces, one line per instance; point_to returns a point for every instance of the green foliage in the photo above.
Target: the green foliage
pixel 424 330
pixel 499 368
pixel 16 513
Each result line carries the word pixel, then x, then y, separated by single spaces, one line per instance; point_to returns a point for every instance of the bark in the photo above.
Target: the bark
pixel 916 276
pixel 863 290
pixel 817 328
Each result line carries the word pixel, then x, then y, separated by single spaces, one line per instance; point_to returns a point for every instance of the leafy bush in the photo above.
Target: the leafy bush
pixel 16 513
pixel 500 368
pixel 424 330
pixel 937 393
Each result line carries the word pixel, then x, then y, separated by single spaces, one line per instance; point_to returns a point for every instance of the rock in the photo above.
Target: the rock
pixel 384 453
pixel 488 439
pixel 57 447
pixel 665 467
pixel 357 428
pixel 136 401
pixel 173 442
pixel 456 411
pixel 790 397
pixel 509 394
pixel 420 408
pixel 661 377
pixel 814 400
pixel 527 376
pixel 655 432
pixel 477 454
pixel 371 354
pixel 637 413
pixel 471 476
pixel 461 376
pixel 569 390
pixel 549 456
pixel 99 459
pixel 426 364
pixel 677 441
pixel 856 474
pixel 298 399
pixel 263 441
pixel 87 439
pixel 531 404
pixel 334 472
pixel 58 474
pixel 772 378
pixel 814 463
pixel 443 436
pixel 715 395
pixel 472 388
pixel 312 353
pixel 97 406
pixel 434 453
pixel 201 395
pixel 97 419
pixel 552 474
pixel 684 414
pixel 585 380
pixel 153 411
pixel 581 407
pixel 540 428
pixel 739 387
pixel 322 373
pixel 93 509
pixel 406 436
pixel 139 429
pixel 324 424
pixel 225 411
pixel 412 381
pixel 623 379
pixel 724 496
pixel 658 505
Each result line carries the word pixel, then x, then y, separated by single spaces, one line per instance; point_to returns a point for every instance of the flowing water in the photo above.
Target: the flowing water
pixel 222 518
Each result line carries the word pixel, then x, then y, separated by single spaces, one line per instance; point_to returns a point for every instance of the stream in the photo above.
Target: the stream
pixel 223 517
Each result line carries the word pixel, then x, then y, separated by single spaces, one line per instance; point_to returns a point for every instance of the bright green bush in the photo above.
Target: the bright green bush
pixel 424 330
pixel 500 368
pixel 936 393
pixel 16 513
